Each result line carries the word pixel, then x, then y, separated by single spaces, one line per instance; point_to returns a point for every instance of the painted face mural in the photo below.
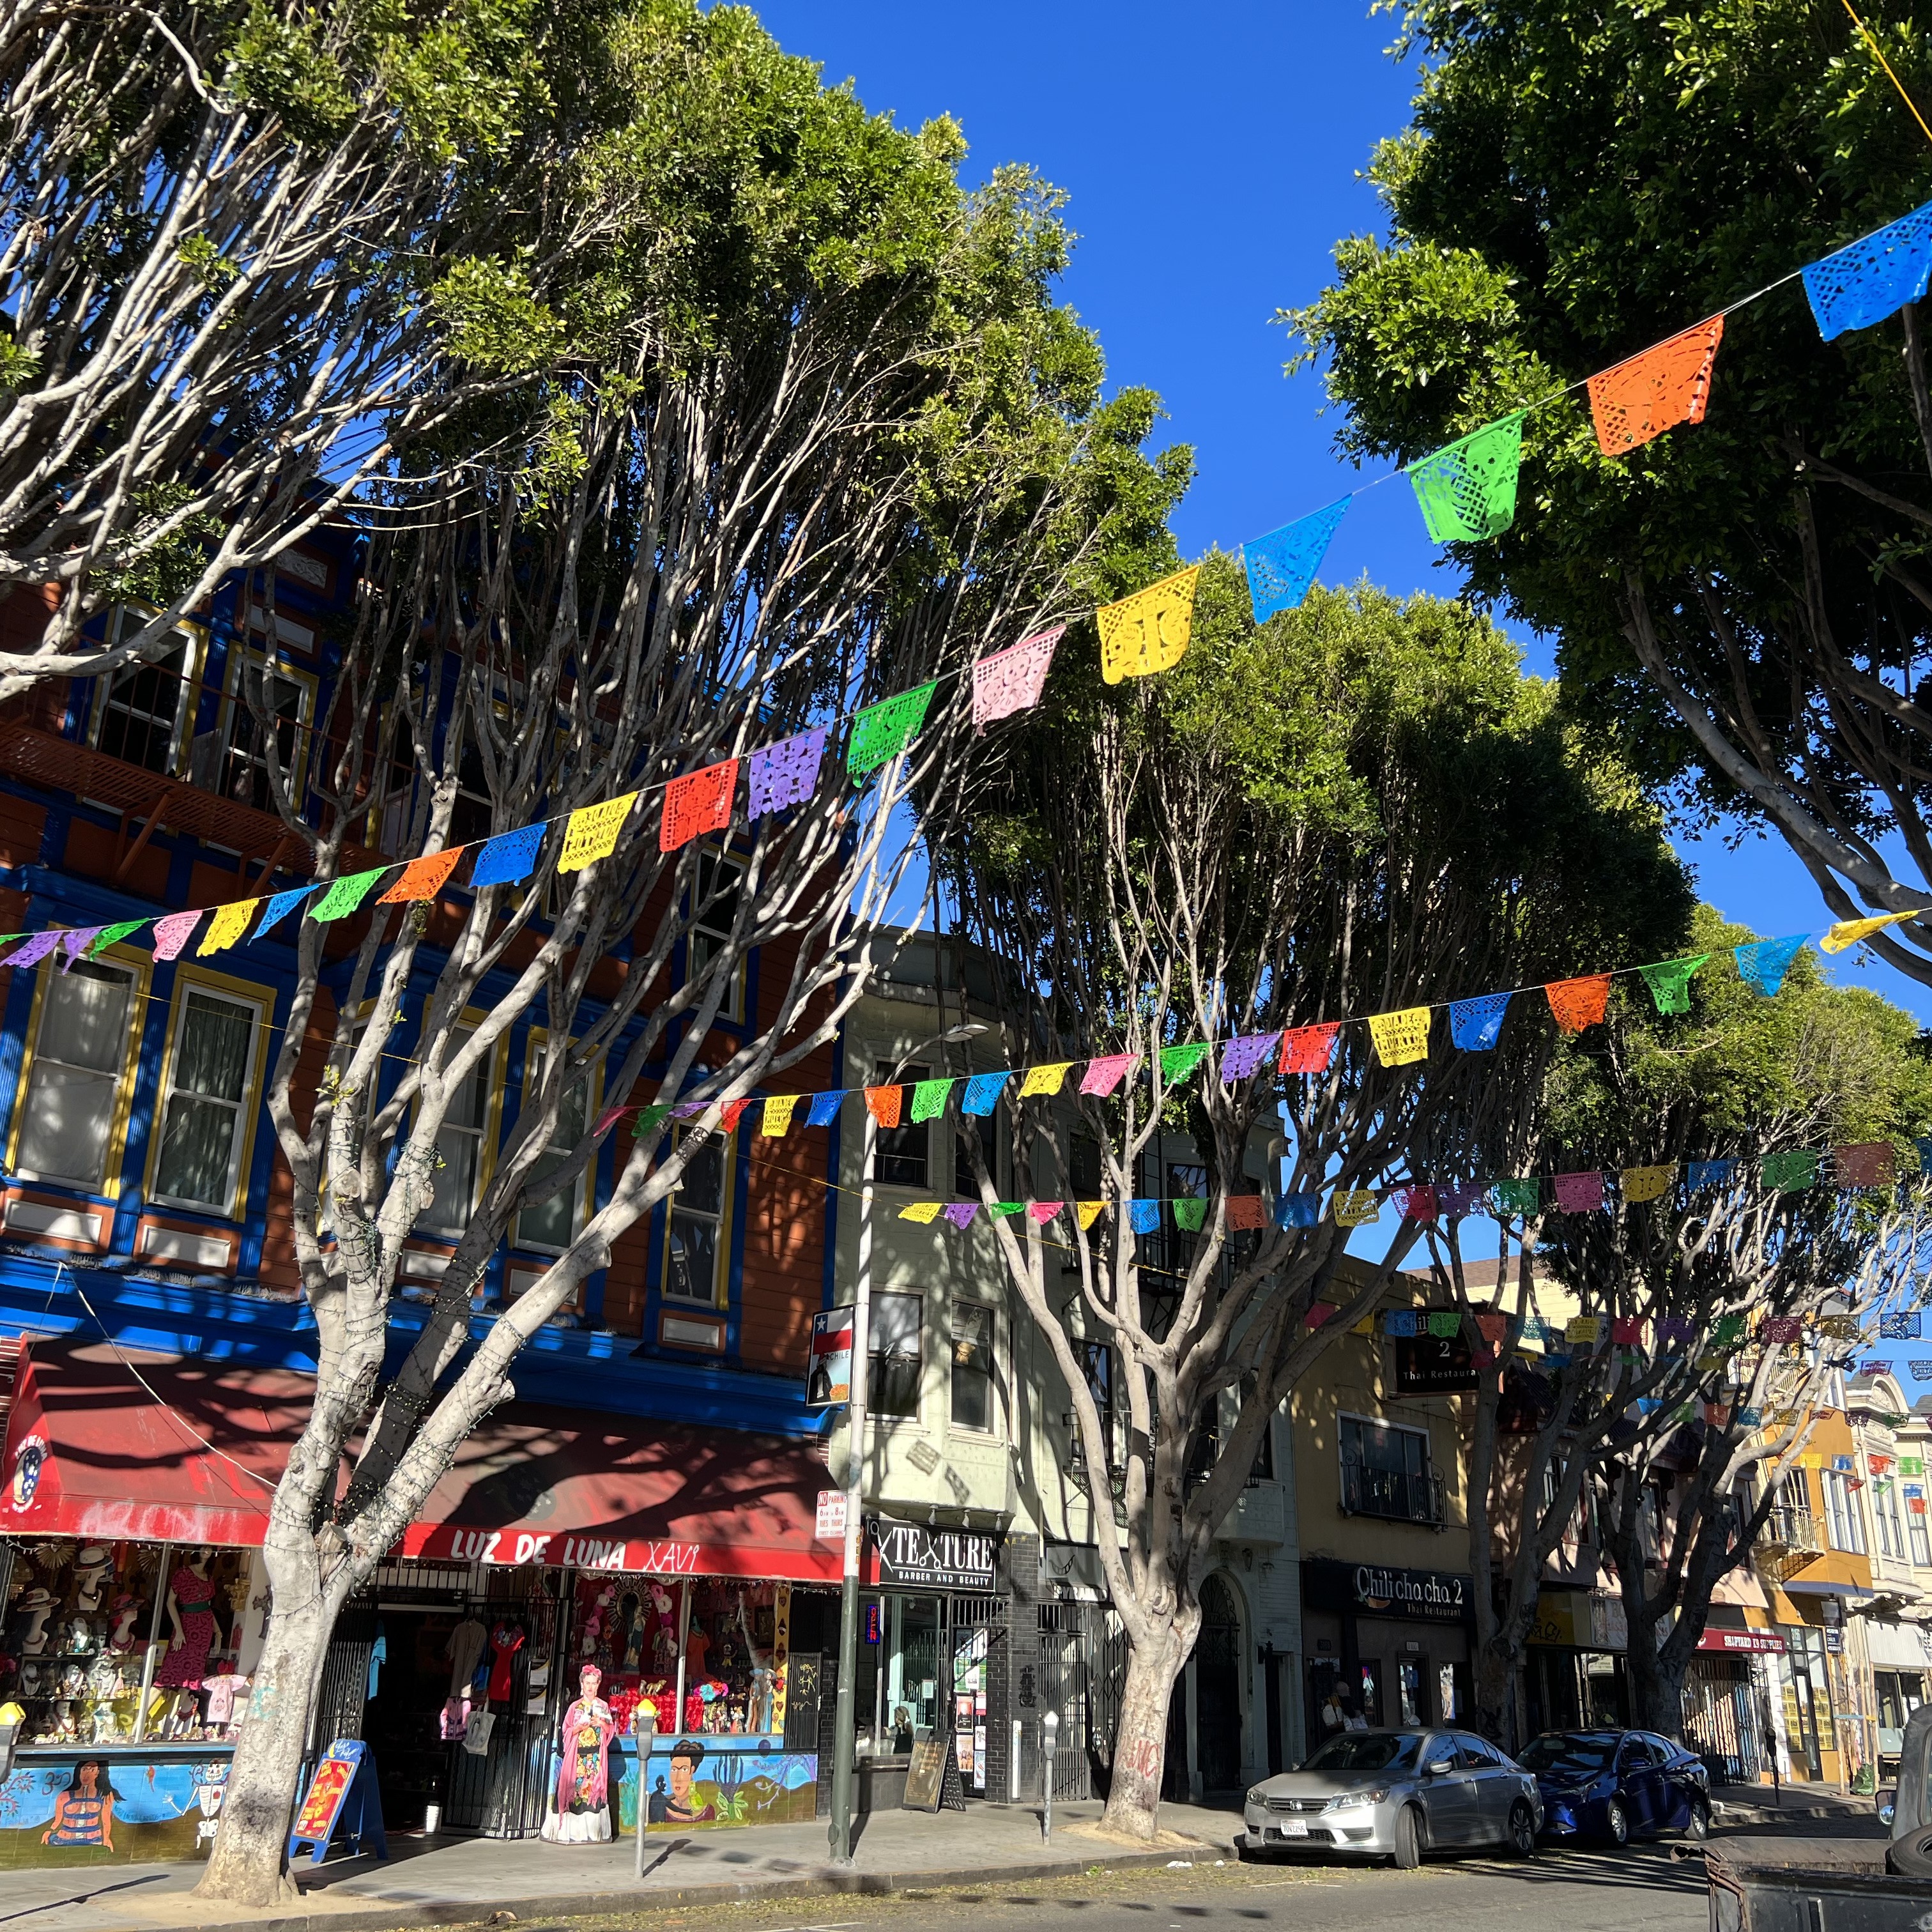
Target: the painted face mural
pixel 28 1460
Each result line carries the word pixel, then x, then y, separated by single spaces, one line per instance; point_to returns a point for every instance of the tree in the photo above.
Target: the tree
pixel 1358 807
pixel 817 432
pixel 1751 596
pixel 1653 1439
pixel 239 239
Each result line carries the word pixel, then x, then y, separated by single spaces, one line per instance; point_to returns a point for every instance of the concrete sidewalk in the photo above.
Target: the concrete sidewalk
pixel 1739 1806
pixel 449 1881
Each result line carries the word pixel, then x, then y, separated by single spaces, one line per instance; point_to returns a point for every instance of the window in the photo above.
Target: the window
pixel 205 1107
pixel 1263 1469
pixel 1921 1543
pixel 67 1111
pixel 1097 1361
pixel 899 1159
pixel 1891 1526
pixel 462 1147
pixel 551 1225
pixel 972 1365
pixel 893 1354
pixel 1385 1472
pixel 1083 1166
pixel 694 1246
pixel 235 761
pixel 715 911
pixel 1843 1525
pixel 144 708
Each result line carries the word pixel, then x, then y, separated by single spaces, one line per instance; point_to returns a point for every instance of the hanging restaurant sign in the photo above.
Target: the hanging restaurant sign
pixel 933 1558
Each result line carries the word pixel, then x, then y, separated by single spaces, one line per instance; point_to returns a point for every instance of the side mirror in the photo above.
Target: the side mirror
pixel 1442 1767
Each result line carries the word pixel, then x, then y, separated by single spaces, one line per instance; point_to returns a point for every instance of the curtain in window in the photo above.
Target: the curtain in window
pixel 203 1118
pixel 70 1102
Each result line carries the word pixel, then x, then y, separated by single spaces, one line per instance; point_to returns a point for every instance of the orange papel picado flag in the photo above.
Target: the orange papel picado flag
pixel 1650 393
pixel 1149 631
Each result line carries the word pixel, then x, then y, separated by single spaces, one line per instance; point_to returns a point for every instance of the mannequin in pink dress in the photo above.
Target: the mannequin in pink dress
pixel 190 1592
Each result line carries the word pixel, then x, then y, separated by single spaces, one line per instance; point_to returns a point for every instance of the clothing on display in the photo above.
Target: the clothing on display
pixel 379 1655
pixel 466 1645
pixel 506 1640
pixel 186 1663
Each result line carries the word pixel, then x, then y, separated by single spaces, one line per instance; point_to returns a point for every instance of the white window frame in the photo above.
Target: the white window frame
pixel 731 1006
pixel 1842 1517
pixel 187 984
pixel 234 716
pixel 991 1428
pixel 722 1220
pixel 489 1070
pixel 919 1300
pixel 186 696
pixel 1890 1521
pixel 580 1194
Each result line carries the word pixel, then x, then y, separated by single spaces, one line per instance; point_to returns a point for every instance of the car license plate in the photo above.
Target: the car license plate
pixel 1293 1827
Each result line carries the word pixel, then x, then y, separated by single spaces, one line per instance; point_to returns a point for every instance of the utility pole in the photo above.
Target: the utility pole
pixel 844 1739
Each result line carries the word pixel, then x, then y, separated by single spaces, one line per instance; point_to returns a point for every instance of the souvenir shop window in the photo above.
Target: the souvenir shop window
pixel 694 1239
pixel 208 1097
pixel 973 1400
pixel 78 1620
pixel 735 1653
pixel 68 1126
pixel 893 1354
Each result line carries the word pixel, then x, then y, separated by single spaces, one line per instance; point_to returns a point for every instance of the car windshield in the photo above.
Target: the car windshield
pixel 1571 1753
pixel 1365 1750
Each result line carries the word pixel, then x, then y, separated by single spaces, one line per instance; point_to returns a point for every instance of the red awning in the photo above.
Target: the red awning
pixel 92 1452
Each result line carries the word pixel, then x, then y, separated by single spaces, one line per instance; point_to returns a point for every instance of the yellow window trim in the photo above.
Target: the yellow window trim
pixel 721 1286
pixel 142 968
pixel 245 650
pixel 537 1040
pixel 262 998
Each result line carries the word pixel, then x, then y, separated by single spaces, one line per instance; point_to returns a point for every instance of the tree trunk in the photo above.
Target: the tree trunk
pixel 1140 1744
pixel 1494 1690
pixel 248 1864
pixel 1657 1689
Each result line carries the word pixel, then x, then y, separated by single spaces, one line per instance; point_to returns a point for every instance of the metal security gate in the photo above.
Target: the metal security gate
pixel 1082 1666
pixel 1217 1689
pixel 1720 1720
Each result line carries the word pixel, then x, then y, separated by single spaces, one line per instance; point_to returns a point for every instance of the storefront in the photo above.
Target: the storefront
pixel 1392 1644
pixel 935 1657
pixel 1574 1671
pixel 1727 1703
pixel 682 1564
pixel 1901 1668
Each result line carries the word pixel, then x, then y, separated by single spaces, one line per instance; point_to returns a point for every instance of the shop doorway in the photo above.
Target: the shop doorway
pixel 1218 1652
pixel 401 1720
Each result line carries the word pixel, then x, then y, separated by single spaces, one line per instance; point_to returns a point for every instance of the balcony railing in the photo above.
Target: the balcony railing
pixel 1790 1542
pixel 1392 1494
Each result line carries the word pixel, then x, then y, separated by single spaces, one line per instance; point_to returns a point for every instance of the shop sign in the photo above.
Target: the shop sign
pixel 1746 1642
pixel 445 1543
pixel 1433 1365
pixel 1410 1593
pixel 828 1376
pixel 1834 1643
pixel 915 1553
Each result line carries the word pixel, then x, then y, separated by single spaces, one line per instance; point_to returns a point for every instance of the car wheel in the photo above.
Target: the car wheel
pixel 1521 1840
pixel 1616 1823
pixel 1700 1826
pixel 1408 1839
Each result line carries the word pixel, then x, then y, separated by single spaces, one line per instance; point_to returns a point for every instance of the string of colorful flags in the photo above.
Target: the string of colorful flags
pixel 1398 1038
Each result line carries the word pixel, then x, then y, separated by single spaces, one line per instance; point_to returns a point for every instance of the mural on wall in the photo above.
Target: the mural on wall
pixel 689 1785
pixel 93 1810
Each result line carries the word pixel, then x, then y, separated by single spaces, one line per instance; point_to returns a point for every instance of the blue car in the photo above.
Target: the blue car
pixel 1615 1786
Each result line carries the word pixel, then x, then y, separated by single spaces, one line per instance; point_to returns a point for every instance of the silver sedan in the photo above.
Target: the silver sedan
pixel 1395 1794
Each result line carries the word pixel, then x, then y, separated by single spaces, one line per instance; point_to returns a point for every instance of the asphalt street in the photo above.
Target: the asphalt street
pixel 1574 1891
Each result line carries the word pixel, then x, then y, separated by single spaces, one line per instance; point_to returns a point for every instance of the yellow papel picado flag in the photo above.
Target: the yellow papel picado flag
pixel 1149 631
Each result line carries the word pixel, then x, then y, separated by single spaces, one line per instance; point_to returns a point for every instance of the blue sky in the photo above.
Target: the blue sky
pixel 1211 160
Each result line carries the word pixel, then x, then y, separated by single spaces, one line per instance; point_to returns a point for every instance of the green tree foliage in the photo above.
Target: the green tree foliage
pixel 1360 805
pixel 1749 597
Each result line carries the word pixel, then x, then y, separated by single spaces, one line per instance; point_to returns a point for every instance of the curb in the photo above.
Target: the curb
pixel 823 1882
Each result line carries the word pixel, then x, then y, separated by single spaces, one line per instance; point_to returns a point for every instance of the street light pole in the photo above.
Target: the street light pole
pixel 844 1739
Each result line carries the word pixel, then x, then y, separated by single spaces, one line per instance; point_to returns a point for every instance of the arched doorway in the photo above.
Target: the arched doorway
pixel 1218 1654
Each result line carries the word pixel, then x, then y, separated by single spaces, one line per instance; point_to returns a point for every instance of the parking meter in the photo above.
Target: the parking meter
pixel 643 1728
pixel 1049 1739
